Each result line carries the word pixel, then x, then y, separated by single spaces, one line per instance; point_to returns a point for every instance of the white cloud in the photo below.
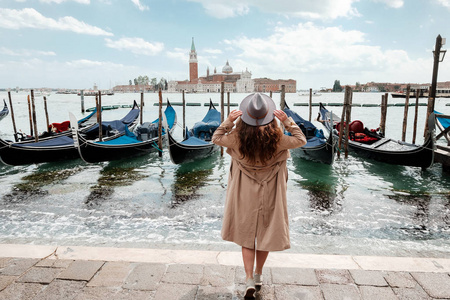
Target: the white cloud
pixel 318 9
pixel 212 51
pixel 445 3
pixel 311 53
pixel 392 3
pixel 179 54
pixel 25 52
pixel 135 45
pixel 30 18
pixel 140 5
pixel 61 1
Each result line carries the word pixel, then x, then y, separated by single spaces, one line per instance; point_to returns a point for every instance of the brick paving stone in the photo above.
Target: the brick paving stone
pixel 17 266
pixel 214 293
pixel 176 292
pixel 185 268
pixel 334 276
pixel 400 279
pixel 145 276
pixel 267 292
pixel 54 263
pixel 416 293
pixel 40 275
pixel 294 276
pixel 81 270
pixel 340 291
pixel 21 291
pixel 437 285
pixel 4 262
pixel 5 281
pixel 218 275
pixel 239 276
pixel 102 293
pixel 377 293
pixel 283 292
pixel 372 278
pixel 185 274
pixel 61 289
pixel 112 274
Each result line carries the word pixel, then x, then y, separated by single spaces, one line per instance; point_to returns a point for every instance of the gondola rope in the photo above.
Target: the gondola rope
pixel 156 147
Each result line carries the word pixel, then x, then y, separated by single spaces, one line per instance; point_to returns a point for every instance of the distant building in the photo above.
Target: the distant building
pixel 235 82
pixel 132 88
pixel 265 85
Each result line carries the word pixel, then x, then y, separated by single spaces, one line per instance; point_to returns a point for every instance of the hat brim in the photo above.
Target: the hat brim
pixel 245 117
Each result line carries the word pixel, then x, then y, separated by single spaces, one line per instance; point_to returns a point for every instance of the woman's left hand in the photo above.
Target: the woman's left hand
pixel 234 114
pixel 281 115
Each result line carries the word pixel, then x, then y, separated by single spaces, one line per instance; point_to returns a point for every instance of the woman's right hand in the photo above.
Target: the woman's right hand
pixel 234 114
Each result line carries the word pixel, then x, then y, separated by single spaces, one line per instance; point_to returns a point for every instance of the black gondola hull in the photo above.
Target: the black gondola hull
pixel 324 153
pixel 180 153
pixel 422 156
pixel 413 155
pixel 16 156
pixel 92 152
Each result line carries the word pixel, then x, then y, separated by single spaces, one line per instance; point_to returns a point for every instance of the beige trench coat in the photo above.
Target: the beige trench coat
pixel 256 206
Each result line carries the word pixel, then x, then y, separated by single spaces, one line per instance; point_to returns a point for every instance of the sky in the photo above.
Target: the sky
pixel 79 43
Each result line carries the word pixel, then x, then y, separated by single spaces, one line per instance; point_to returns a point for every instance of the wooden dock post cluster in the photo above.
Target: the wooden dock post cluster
pixel 346 115
pixel 160 124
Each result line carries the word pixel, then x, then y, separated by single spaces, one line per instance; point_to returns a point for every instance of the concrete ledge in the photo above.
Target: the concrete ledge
pixel 276 259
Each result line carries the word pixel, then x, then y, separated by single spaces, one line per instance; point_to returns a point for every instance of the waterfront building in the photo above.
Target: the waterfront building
pixel 234 82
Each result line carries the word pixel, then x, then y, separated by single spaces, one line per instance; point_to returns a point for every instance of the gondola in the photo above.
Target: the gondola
pixel 370 144
pixel 5 111
pixel 318 148
pixel 61 147
pixel 197 142
pixel 141 141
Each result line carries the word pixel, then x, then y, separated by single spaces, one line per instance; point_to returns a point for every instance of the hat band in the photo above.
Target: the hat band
pixel 257 118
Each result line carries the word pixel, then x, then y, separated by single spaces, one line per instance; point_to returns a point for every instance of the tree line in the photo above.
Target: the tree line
pixel 144 80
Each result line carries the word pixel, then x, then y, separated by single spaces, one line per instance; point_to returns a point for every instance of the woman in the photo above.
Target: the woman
pixel 255 214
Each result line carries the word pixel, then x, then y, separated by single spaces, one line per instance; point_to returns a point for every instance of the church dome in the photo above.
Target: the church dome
pixel 227 69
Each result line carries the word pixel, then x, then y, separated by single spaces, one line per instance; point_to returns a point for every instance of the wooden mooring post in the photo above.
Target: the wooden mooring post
pixel 184 114
pixel 36 135
pixel 283 97
pixel 348 112
pixel 82 101
pixel 46 113
pixel 29 115
pixel 141 113
pixel 228 104
pixel 99 116
pixel 12 116
pixel 405 113
pixel 416 113
pixel 310 104
pixel 160 124
pixel 222 109
pixel 383 114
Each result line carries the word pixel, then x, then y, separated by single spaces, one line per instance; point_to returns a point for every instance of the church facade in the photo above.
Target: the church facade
pixel 234 82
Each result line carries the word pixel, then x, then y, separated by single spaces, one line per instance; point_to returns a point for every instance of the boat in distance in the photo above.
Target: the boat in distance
pixel 370 144
pixel 197 142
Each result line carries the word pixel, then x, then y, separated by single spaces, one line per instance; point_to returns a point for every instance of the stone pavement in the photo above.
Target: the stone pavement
pixel 82 273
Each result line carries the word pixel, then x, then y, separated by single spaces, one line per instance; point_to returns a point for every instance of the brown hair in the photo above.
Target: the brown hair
pixel 258 142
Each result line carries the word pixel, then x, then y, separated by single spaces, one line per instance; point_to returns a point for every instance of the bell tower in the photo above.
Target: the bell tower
pixel 193 63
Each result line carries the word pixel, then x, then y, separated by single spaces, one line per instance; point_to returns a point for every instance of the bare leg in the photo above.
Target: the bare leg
pixel 248 255
pixel 261 257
